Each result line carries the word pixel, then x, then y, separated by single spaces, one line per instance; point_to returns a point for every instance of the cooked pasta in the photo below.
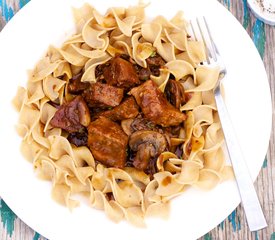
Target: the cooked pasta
pixel 123 192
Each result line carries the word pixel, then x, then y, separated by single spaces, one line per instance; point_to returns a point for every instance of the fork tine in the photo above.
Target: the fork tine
pixel 193 31
pixel 214 46
pixel 205 37
pixel 198 36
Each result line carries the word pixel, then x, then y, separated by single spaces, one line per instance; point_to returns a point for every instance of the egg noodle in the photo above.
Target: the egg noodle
pixel 73 170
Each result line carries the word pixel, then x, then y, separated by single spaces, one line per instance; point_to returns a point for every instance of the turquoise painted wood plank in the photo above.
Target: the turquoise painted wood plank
pixel 36 236
pixel 6 10
pixel 22 3
pixel 7 217
pixel 259 36
pixel 246 15
pixel 221 225
pixel 235 221
pixel 207 237
pixel 265 163
pixel 256 236
pixel 227 3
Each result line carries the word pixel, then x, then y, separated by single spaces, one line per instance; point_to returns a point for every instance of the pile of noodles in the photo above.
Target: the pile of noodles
pixel 71 169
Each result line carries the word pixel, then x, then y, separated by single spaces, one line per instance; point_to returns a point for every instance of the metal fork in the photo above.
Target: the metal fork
pixel 254 214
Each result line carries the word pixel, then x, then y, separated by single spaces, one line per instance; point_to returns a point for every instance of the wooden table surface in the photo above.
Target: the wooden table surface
pixel 234 227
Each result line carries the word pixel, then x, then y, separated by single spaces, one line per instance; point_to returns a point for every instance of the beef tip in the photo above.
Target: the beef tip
pixel 99 70
pixel 144 74
pixel 155 70
pixel 103 95
pixel 107 142
pixel 127 109
pixel 155 106
pixel 75 85
pixel 125 57
pixel 72 116
pixel 79 138
pixel 174 92
pixel 121 73
pixel 172 131
pixel 141 123
pixel 155 61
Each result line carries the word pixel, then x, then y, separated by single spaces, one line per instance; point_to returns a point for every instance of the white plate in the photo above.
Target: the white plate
pixel 25 39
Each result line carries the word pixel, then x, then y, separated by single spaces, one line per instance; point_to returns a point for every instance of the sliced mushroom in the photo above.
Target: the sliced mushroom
pixel 126 126
pixel 147 144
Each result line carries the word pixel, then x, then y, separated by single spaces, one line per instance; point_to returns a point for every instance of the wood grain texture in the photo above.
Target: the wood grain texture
pixel 234 227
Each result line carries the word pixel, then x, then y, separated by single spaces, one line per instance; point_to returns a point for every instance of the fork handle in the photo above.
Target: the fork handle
pixel 253 211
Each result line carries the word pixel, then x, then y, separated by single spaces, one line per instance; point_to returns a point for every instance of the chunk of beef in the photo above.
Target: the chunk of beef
pixel 144 74
pixel 155 70
pixel 155 106
pixel 103 95
pixel 154 64
pixel 155 61
pixel 121 73
pixel 127 109
pixel 125 57
pixel 99 71
pixel 79 138
pixel 107 142
pixel 174 92
pixel 141 123
pixel 75 85
pixel 72 116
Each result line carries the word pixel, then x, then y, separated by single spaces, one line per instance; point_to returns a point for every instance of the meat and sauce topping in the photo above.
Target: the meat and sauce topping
pixel 75 85
pixel 127 109
pixel 174 93
pixel 72 116
pixel 123 118
pixel 155 106
pixel 103 95
pixel 121 73
pixel 107 142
